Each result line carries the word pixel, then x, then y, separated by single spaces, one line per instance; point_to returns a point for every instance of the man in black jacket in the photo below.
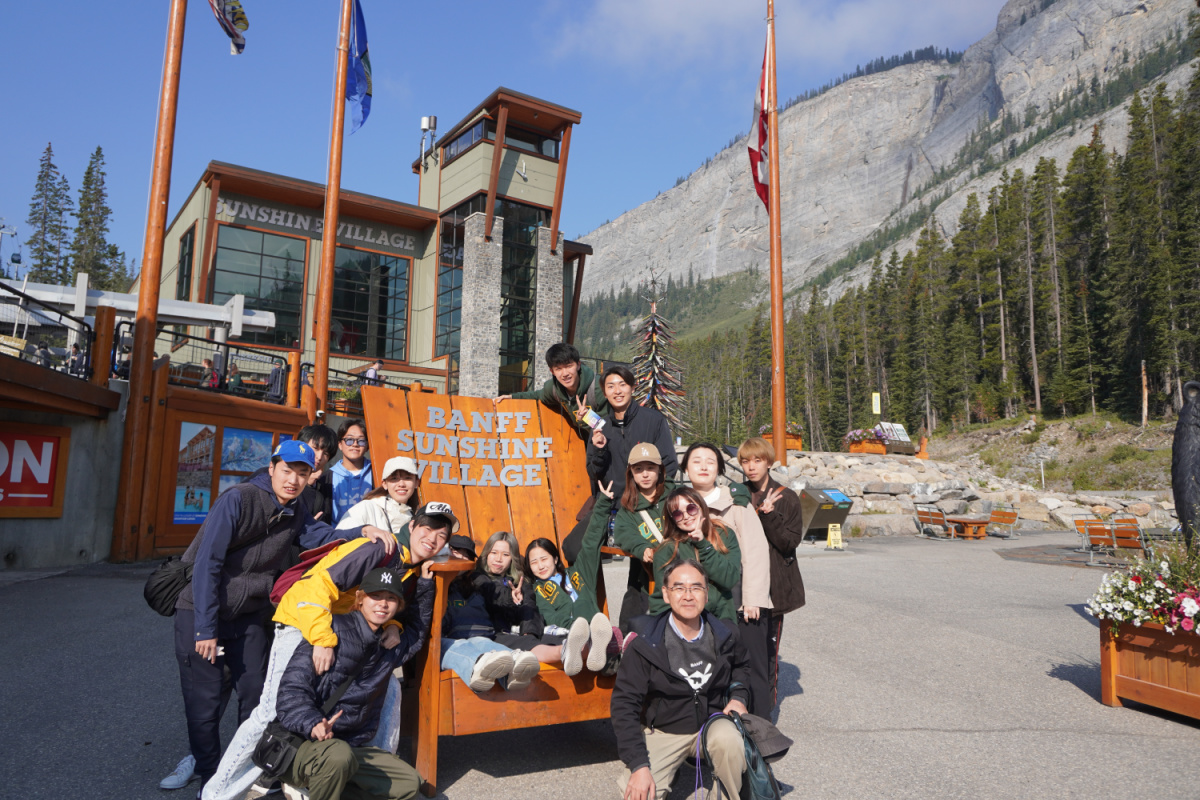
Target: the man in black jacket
pixel 778 509
pixel 337 761
pixel 683 665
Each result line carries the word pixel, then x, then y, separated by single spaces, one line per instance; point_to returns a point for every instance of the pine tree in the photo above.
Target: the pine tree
pixel 659 385
pixel 48 241
pixel 90 248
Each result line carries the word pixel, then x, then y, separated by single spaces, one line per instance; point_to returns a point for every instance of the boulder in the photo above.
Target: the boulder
pixel 952 494
pixel 875 498
pixel 886 507
pixel 880 487
pixel 1051 503
pixel 1033 511
pixel 881 524
pixel 1104 512
pixel 899 477
pixel 952 507
pixel 925 499
pixel 970 494
pixel 1139 509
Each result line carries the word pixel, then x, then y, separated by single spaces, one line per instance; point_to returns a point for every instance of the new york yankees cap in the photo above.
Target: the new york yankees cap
pixel 382 580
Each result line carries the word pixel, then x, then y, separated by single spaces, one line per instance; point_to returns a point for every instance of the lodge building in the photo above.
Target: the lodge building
pixel 462 291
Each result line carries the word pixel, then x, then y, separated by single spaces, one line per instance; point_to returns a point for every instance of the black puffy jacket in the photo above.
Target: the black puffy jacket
pixel 641 424
pixel 648 693
pixel 302 692
pixel 481 605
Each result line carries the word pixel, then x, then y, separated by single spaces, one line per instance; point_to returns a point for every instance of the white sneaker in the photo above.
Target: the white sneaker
pixel 185 773
pixel 572 649
pixel 525 669
pixel 601 634
pixel 489 668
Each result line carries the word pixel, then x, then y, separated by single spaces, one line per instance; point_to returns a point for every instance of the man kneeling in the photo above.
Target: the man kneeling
pixel 334 763
pixel 682 666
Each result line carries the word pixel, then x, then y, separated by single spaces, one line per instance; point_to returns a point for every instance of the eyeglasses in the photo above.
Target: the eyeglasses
pixel 691 510
pixel 354 442
pixel 689 590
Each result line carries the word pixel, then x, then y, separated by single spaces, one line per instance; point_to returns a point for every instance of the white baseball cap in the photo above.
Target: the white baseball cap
pixel 397 463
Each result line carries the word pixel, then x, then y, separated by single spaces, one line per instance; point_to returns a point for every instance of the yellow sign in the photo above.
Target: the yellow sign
pixel 875 403
pixel 834 541
pixel 11 345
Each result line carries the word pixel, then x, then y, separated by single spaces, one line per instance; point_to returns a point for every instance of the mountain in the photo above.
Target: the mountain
pixel 863 162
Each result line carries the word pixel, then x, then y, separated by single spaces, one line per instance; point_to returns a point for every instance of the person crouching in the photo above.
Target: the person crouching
pixel 335 758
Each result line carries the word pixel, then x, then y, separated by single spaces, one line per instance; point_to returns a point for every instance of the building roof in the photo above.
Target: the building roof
pixel 524 111
pixel 308 194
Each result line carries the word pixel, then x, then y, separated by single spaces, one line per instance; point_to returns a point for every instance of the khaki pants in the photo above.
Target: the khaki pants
pixel 668 750
pixel 333 770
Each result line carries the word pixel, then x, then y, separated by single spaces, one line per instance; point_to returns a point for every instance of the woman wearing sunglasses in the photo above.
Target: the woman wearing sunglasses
pixel 351 475
pixel 691 531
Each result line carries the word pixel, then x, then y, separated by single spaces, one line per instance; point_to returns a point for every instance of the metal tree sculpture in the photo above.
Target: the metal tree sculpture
pixel 659 381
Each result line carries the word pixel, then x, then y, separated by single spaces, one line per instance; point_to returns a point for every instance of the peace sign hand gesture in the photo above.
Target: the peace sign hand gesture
pixel 768 503
pixel 606 490
pixel 517 595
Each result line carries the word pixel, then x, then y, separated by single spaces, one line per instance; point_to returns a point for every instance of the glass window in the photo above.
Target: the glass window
pixel 269 270
pixel 183 284
pixel 518 293
pixel 464 140
pixel 370 305
pixel 526 140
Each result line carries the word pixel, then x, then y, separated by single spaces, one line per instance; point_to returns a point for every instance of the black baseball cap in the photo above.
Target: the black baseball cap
pixel 460 542
pixel 382 580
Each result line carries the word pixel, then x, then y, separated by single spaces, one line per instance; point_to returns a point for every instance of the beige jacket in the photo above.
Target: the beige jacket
pixel 756 553
pixel 382 512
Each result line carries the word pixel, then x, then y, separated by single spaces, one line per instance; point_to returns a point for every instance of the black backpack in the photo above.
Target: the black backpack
pixel 758 782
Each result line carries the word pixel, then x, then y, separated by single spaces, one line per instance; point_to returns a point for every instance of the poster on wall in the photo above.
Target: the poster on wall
pixel 244 450
pixel 33 469
pixel 193 478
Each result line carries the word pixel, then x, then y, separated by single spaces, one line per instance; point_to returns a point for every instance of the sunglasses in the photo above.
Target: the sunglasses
pixel 354 442
pixel 691 510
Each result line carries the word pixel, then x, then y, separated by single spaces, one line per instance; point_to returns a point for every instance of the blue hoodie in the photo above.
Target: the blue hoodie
pixel 349 487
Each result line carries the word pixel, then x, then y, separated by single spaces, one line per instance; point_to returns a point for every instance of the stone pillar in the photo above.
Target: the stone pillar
pixel 479 340
pixel 548 308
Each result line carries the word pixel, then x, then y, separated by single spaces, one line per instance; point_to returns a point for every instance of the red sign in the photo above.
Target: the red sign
pixel 33 470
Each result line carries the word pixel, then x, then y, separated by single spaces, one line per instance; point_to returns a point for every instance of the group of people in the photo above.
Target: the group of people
pixel 712 573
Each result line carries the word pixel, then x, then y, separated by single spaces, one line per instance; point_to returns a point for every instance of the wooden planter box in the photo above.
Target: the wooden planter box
pixel 869 446
pixel 793 441
pixel 1149 665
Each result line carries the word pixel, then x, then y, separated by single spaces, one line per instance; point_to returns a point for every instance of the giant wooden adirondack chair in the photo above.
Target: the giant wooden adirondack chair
pixel 440 704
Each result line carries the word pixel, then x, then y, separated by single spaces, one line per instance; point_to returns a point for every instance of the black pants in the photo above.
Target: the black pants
pixel 247 643
pixel 776 634
pixel 756 636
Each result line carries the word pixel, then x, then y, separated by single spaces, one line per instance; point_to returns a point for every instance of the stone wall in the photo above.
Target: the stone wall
pixel 479 341
pixel 549 305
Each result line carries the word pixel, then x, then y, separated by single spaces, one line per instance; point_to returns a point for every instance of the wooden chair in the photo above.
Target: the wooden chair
pixel 930 519
pixel 1127 534
pixel 1095 537
pixel 435 701
pixel 1003 516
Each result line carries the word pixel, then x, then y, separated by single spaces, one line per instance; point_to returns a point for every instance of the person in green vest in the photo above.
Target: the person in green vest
pixel 566 392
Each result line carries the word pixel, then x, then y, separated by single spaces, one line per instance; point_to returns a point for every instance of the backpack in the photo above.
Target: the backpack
pixel 308 560
pixel 758 782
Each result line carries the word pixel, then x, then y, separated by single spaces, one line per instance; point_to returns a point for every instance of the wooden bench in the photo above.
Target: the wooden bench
pixel 931 518
pixel 1003 516
pixel 436 702
pixel 1127 535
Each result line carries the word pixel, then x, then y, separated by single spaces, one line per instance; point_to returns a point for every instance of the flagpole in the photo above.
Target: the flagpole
pixel 333 190
pixel 128 533
pixel 778 374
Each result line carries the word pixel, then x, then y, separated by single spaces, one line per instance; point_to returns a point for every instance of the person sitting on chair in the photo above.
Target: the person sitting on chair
pixel 337 760
pixel 684 665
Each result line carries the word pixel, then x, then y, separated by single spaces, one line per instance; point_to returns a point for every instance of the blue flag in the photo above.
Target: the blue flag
pixel 358 71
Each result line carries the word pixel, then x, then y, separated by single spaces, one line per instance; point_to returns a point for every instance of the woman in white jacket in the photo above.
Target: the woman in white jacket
pixel 702 464
pixel 391 504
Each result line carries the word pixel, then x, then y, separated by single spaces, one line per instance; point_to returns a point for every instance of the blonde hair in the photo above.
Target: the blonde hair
pixel 756 447
pixel 514 549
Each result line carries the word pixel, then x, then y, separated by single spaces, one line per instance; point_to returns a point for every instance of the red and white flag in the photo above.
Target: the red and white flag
pixel 760 157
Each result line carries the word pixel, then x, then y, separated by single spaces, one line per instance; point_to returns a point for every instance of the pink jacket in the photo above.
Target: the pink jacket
pixel 756 553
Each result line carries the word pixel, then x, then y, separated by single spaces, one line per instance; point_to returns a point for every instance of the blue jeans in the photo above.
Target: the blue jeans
pixel 460 655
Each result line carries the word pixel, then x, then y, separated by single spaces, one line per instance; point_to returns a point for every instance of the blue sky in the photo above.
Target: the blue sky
pixel 661 84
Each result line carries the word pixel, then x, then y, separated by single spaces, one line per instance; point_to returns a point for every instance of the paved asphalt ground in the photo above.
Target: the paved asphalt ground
pixel 918 669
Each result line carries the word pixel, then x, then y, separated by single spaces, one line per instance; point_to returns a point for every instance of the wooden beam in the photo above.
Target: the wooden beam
pixel 153 467
pixel 494 181
pixel 575 299
pixel 293 381
pixel 102 346
pixel 558 188
pixel 137 413
pixel 333 187
pixel 778 368
pixel 47 384
pixel 207 260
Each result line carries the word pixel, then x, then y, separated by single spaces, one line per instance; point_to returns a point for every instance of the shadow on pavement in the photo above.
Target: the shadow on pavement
pixel 1081 610
pixel 1085 676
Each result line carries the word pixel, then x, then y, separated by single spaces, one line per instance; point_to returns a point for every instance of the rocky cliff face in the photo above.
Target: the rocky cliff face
pixel 854 156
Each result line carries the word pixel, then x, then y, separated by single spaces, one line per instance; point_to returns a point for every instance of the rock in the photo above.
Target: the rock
pixel 1104 512
pixel 970 494
pixel 886 507
pixel 1052 503
pixel 907 478
pixel 952 494
pixel 952 506
pixel 881 524
pixel 925 499
pixel 885 488
pixel 1167 505
pixel 1033 511
pixel 1139 509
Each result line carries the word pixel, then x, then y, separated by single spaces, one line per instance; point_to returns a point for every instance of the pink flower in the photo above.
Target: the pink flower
pixel 1187 624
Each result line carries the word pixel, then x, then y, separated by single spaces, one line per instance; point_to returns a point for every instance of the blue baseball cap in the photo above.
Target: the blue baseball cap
pixel 293 451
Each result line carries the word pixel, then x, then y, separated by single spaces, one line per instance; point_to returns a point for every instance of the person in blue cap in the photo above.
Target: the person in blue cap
pixel 221 616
